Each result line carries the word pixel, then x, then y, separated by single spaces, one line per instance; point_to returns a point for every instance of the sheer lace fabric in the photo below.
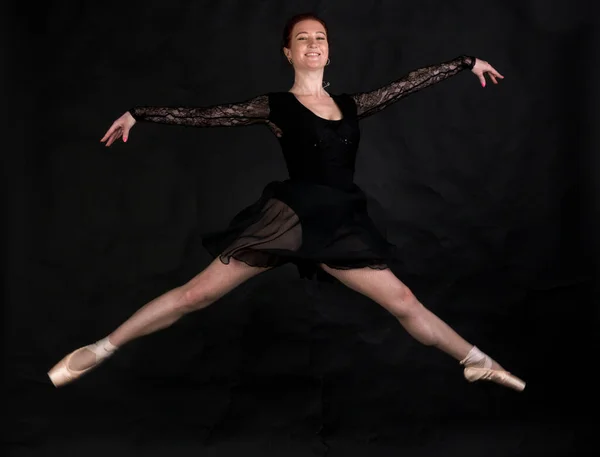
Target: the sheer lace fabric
pixel 253 111
pixel 249 112
pixel 371 102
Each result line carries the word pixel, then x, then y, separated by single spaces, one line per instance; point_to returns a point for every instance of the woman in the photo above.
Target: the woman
pixel 317 218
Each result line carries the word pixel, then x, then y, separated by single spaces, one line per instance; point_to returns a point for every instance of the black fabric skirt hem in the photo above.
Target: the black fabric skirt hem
pixel 305 224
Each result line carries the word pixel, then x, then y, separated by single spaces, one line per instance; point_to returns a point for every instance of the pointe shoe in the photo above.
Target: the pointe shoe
pixel 501 377
pixel 485 373
pixel 61 374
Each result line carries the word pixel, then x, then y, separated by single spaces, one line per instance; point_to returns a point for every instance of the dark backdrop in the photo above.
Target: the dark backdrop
pixel 490 193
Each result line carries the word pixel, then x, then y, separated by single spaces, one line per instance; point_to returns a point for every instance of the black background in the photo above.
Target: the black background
pixel 491 192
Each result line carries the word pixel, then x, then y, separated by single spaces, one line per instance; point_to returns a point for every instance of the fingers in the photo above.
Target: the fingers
pixel 481 79
pixel 483 68
pixel 114 137
pixel 109 132
pixel 495 74
pixel 114 133
pixel 491 72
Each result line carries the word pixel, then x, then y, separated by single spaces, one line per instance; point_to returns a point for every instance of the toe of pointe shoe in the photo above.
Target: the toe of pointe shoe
pixel 61 374
pixel 504 378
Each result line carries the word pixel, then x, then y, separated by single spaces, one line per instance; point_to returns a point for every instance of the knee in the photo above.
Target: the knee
pixel 195 298
pixel 403 303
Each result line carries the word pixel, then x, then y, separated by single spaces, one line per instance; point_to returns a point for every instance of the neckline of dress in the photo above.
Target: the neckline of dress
pixel 315 114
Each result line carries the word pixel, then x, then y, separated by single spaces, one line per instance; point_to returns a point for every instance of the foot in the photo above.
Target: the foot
pixel 478 359
pixel 479 366
pixel 80 361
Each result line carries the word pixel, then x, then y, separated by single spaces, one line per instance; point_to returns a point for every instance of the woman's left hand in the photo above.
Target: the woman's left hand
pixel 480 69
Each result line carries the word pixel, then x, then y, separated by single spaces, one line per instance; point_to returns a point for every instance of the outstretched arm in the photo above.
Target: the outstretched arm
pixel 253 111
pixel 368 103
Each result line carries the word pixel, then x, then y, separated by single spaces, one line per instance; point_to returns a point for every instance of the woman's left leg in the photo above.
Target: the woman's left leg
pixel 385 288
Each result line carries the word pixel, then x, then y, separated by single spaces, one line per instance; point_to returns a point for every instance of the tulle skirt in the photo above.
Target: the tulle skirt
pixel 305 224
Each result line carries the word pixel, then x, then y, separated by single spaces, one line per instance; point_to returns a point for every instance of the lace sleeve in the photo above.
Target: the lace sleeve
pixel 368 103
pixel 253 111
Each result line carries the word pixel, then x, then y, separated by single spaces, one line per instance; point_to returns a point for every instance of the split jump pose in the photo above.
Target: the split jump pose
pixel 315 219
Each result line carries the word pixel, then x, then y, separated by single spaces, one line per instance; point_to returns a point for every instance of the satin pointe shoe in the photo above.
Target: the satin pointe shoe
pixel 485 372
pixel 61 374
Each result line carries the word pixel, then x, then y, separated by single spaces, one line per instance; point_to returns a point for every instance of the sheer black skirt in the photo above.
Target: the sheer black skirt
pixel 306 224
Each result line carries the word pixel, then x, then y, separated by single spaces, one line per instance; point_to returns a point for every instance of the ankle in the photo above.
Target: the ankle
pixel 106 345
pixel 103 348
pixel 476 358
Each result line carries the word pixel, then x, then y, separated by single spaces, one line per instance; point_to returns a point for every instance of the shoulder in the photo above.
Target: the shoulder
pixel 345 101
pixel 279 101
pixel 278 97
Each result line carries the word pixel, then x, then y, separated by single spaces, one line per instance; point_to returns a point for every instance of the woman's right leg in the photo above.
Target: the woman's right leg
pixel 208 286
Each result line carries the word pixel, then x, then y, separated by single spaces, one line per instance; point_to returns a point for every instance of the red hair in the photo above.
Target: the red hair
pixel 291 22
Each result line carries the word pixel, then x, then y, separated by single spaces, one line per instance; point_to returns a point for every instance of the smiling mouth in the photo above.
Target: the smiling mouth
pixel 312 54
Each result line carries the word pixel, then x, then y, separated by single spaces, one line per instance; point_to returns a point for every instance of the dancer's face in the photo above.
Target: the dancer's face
pixel 308 46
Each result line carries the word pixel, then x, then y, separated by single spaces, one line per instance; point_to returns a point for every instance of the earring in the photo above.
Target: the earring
pixel 328 62
pixel 290 61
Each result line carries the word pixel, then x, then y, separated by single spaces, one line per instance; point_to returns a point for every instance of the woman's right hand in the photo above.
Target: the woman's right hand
pixel 120 128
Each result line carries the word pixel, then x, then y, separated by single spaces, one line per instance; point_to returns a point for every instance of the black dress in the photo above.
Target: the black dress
pixel 318 215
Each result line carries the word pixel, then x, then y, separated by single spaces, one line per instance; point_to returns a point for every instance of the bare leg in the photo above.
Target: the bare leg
pixel 207 287
pixel 385 288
